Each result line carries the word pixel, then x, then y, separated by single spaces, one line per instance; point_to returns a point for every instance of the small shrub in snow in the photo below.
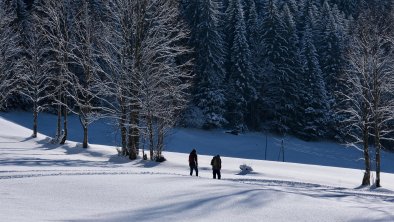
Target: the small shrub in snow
pixel 119 151
pixel 54 140
pixel 160 159
pixel 245 168
pixel 58 138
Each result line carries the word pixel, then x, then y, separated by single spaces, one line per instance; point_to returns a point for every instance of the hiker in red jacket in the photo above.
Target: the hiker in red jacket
pixel 193 164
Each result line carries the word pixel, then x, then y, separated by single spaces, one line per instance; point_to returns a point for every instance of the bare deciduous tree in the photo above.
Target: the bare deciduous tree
pixel 9 50
pixel 164 80
pixel 368 95
pixel 87 84
pixel 36 83
pixel 145 41
pixel 56 25
pixel 118 56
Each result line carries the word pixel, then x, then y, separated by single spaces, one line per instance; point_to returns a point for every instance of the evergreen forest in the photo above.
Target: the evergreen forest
pixel 314 69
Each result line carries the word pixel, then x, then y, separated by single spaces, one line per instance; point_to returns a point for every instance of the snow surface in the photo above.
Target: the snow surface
pixel 45 182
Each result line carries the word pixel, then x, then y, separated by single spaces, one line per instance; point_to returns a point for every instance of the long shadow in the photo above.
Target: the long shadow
pixel 116 159
pixel 41 160
pixel 34 162
pixel 175 211
pixel 46 144
pixel 15 139
pixel 78 149
pixel 245 172
pixel 27 139
pixel 320 191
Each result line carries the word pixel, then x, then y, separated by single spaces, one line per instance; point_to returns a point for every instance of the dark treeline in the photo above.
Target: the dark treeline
pixel 272 65
pixel 310 68
pixel 267 65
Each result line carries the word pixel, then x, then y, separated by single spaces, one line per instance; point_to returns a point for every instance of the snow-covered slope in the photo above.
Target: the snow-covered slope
pixel 249 146
pixel 44 182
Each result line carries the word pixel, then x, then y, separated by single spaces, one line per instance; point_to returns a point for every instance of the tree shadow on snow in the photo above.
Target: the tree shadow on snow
pixel 245 172
pixel 162 211
pixel 27 139
pixel 64 155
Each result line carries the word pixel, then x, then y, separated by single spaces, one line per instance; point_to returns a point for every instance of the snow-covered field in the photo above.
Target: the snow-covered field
pixel 44 182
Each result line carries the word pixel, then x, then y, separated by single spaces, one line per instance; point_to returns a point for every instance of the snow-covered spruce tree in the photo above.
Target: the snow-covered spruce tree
pixel 253 29
pixel 187 9
pixel 164 81
pixel 303 12
pixel 349 7
pixel 314 100
pixel 252 23
pixel 282 65
pixel 293 67
pixel 294 8
pixel 209 50
pixel 35 81
pixel 9 50
pixel 330 48
pixel 239 79
pixel 369 86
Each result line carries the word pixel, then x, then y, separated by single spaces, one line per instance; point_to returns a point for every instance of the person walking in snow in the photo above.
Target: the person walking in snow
pixel 193 164
pixel 216 163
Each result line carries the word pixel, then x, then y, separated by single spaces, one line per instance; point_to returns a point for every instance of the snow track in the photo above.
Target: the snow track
pixel 318 189
pixel 303 188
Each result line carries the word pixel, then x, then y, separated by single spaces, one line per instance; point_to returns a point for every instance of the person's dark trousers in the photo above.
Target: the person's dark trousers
pixel 191 170
pixel 216 172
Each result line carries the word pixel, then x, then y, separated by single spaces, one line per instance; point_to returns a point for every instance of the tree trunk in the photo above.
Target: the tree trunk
pixel 85 136
pixel 150 131
pixel 377 147
pixel 35 115
pixel 137 136
pixel 59 118
pixel 378 166
pixel 160 138
pixel 377 120
pixel 367 174
pixel 65 124
pixel 129 136
pixel 133 133
pixel 123 129
pixel 135 109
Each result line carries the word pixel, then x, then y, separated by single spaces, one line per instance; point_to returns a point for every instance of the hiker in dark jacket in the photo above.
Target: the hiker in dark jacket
pixel 193 164
pixel 216 163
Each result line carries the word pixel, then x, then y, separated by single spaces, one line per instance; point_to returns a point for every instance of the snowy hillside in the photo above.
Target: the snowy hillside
pixel 44 182
pixel 249 146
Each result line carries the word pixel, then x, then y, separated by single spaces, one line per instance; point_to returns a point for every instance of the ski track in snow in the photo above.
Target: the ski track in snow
pixel 311 189
pixel 302 188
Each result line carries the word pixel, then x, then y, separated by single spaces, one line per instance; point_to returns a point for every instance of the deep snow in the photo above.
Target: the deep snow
pixel 44 182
